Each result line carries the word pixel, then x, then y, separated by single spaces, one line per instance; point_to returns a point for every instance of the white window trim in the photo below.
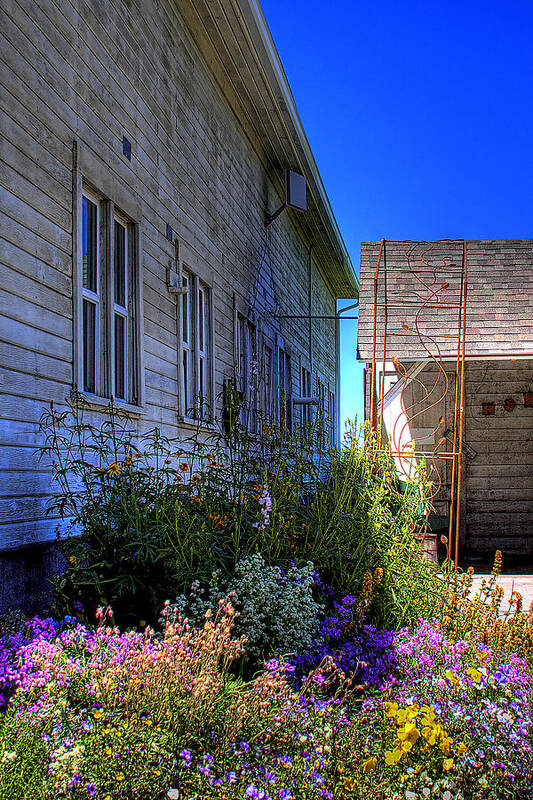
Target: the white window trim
pixel 280 347
pixel 188 400
pixel 84 186
pixel 267 378
pixel 121 311
pixel 87 294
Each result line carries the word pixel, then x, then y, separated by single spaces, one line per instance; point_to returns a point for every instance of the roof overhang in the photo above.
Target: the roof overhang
pixel 254 82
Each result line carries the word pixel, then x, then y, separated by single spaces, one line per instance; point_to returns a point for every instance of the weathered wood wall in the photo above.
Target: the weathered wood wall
pixel 499 478
pixel 95 71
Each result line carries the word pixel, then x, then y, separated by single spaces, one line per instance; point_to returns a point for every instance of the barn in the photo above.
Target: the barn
pixel 163 226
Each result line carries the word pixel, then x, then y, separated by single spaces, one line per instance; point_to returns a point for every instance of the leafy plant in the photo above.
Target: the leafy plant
pixel 150 515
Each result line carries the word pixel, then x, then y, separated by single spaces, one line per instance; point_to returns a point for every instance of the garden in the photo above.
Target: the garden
pixel 250 615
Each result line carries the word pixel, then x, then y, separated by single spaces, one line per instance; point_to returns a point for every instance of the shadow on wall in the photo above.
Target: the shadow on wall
pixel 23 577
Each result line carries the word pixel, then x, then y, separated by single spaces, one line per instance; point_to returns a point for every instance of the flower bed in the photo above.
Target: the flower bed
pixel 100 713
pixel 265 544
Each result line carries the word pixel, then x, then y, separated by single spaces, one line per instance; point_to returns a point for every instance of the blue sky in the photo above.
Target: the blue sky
pixel 420 117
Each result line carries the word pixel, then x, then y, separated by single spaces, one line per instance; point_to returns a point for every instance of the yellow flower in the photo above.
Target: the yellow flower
pixel 157 772
pixel 447 764
pixel 474 673
pixel 392 756
pixel 108 751
pixel 114 469
pixel 461 748
pixel 409 733
pixel 97 713
pixel 391 709
pixel 402 716
pixel 73 560
pixel 482 657
pixel 370 764
pixel 349 783
pixel 119 776
pixel 430 735
pixel 412 711
pixel 453 678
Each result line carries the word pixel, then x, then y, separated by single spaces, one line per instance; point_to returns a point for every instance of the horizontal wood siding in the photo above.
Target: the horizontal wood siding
pixel 95 72
pixel 499 479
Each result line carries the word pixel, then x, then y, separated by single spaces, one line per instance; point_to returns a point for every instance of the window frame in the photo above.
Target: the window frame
pixel 267 378
pixel 122 311
pixel 306 390
pixel 246 347
pixel 199 295
pixel 91 297
pixel 133 370
pixel 284 384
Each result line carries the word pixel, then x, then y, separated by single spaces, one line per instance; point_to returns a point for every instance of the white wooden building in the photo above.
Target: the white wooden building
pixel 144 144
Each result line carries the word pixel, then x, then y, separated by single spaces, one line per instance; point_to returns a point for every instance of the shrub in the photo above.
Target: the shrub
pixel 276 610
pixel 278 613
pixel 155 515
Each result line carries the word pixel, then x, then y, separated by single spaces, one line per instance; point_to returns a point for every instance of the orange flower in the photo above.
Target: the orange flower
pixel 184 467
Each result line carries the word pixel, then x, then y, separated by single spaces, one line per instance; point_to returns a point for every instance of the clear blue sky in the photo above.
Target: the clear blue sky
pixel 420 117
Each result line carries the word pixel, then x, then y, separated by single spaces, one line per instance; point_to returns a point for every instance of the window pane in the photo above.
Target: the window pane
pixel 120 357
pixel 201 380
pixel 120 264
pixel 185 311
pixel 186 387
pixel 89 244
pixel 89 347
pixel 201 320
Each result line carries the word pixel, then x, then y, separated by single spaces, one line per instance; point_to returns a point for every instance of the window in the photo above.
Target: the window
pixel 108 344
pixel 120 308
pixel 248 371
pixel 322 410
pixel 91 292
pixel 196 334
pixel 284 390
pixel 306 407
pixel 267 374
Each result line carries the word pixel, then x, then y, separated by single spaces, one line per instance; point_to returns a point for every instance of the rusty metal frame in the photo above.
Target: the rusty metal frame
pixel 431 300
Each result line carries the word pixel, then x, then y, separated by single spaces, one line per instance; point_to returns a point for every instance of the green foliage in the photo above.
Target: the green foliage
pixel 156 515
pixel 276 610
pixel 23 759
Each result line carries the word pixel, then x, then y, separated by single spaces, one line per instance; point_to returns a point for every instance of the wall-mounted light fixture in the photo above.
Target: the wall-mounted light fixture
pixel 295 195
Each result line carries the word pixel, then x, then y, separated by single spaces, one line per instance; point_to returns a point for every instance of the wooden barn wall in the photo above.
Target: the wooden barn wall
pixel 95 72
pixel 499 478
pixel 499 298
